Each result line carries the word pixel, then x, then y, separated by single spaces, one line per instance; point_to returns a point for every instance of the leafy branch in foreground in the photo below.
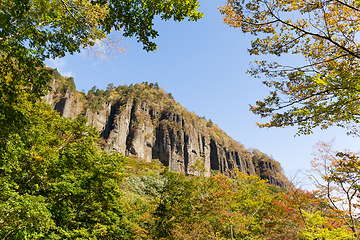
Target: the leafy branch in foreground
pixel 36 30
pixel 56 183
pixel 325 89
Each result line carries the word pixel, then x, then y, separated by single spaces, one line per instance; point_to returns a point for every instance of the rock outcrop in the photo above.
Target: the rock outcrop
pixel 146 122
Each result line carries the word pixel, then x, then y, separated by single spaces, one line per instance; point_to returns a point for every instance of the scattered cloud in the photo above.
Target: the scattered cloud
pixel 55 63
pixel 67 74
pixel 60 65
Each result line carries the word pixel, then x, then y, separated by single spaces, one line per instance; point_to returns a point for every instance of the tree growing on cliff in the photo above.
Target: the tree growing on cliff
pixel 324 90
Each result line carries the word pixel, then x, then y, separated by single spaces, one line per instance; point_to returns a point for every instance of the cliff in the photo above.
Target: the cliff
pixel 144 121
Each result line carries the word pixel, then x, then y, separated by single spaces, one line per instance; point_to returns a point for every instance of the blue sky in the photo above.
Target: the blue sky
pixel 203 65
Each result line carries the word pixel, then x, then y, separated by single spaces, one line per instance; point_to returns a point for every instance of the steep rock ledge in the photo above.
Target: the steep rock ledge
pixel 137 127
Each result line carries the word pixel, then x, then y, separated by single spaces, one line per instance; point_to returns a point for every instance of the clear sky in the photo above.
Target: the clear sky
pixel 203 64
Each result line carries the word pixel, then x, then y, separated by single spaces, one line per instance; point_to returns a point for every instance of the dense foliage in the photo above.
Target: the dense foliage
pixel 168 205
pixel 321 92
pixel 56 182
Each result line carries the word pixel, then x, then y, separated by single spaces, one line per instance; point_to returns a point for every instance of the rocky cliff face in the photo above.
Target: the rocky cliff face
pixel 146 122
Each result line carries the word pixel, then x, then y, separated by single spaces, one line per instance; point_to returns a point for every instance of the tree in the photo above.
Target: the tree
pixel 336 176
pixel 318 228
pixel 53 28
pixel 217 207
pixel 35 30
pixel 284 217
pixel 325 89
pixel 56 184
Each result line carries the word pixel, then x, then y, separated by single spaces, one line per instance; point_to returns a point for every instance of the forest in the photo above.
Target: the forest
pixel 56 181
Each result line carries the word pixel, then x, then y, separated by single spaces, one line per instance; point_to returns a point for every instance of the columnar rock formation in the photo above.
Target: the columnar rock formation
pixel 137 127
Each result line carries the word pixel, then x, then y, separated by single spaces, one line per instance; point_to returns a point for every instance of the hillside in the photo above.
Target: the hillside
pixel 144 121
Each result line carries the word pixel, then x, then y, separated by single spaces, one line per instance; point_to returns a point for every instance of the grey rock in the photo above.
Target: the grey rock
pixel 135 129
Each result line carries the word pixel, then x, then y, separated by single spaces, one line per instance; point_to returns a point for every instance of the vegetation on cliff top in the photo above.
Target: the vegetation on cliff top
pixel 162 104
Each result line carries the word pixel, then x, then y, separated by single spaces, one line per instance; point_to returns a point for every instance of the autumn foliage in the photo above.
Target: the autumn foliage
pixel 319 87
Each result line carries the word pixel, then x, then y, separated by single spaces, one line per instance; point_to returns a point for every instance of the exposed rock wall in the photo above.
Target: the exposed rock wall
pixel 135 129
pixel 69 106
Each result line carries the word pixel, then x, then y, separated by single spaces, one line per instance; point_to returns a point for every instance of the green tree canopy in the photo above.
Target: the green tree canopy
pixel 53 28
pixel 56 184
